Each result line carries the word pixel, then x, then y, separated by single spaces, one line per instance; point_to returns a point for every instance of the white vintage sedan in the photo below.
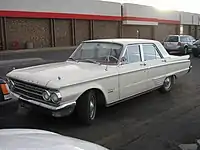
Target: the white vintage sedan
pixel 99 72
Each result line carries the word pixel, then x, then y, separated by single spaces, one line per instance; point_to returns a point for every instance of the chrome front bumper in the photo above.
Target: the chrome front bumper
pixel 60 111
pixel 190 68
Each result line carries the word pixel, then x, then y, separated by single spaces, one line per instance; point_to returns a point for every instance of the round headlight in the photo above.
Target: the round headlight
pixel 55 97
pixel 46 95
pixel 11 84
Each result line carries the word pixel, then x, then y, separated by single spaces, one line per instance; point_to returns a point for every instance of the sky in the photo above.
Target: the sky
pixel 180 5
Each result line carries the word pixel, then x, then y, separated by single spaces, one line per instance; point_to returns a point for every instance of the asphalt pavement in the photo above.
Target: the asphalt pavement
pixel 153 121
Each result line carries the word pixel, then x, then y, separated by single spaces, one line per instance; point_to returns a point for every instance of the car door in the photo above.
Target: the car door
pixel 156 64
pixel 132 72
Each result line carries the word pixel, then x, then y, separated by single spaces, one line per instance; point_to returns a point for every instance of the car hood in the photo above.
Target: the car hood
pixel 57 75
pixel 13 139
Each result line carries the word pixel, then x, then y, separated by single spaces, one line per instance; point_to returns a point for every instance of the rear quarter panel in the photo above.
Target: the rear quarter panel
pixel 178 65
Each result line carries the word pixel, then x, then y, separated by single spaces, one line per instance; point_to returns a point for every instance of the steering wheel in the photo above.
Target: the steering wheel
pixel 110 56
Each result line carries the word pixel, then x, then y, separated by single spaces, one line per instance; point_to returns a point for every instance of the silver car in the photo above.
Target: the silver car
pixel 179 43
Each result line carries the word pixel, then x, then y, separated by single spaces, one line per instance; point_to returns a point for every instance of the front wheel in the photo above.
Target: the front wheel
pixel 86 107
pixel 167 85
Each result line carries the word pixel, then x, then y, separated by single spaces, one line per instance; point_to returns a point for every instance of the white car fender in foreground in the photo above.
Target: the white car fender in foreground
pixel 29 139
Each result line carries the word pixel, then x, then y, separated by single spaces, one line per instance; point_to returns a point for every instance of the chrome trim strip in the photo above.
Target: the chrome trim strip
pixel 47 106
pixel 30 92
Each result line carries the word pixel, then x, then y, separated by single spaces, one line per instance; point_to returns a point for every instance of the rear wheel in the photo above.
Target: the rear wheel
pixel 195 53
pixel 167 85
pixel 86 107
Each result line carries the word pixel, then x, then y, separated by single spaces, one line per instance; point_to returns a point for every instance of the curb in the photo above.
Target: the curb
pixel 8 52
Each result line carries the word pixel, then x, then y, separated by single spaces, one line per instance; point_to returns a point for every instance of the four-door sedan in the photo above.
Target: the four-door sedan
pixel 99 73
pixel 179 44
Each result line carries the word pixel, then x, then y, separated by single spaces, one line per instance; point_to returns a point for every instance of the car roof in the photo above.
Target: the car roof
pixel 123 41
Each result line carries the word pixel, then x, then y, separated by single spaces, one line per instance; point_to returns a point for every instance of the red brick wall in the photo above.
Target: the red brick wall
pixel 130 31
pixel 186 29
pixel 198 32
pixel 63 32
pixel 82 31
pixel 32 30
pixel 1 35
pixel 162 30
pixel 106 29
pixel 192 31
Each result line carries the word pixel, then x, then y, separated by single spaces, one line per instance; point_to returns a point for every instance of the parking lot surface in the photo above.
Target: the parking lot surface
pixel 153 121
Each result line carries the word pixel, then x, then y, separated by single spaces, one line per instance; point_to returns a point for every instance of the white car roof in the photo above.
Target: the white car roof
pixel 123 41
pixel 29 139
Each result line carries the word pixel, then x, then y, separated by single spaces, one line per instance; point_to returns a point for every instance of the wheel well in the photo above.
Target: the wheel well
pixel 174 77
pixel 186 46
pixel 101 100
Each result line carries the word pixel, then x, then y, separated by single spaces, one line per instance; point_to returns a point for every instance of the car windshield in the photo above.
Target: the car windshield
pixel 172 39
pixel 97 52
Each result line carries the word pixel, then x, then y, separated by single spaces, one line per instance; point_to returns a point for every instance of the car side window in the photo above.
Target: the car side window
pixel 132 54
pixel 191 38
pixel 150 52
pixel 184 39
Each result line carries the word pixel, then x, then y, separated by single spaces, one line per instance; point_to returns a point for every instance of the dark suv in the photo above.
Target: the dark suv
pixel 179 43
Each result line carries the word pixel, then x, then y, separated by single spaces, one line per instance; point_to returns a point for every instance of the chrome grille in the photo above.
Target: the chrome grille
pixel 28 91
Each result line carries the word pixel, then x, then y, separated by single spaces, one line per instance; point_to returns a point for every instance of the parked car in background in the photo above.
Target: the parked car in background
pixel 179 44
pixel 99 72
pixel 29 139
pixel 196 48
pixel 7 104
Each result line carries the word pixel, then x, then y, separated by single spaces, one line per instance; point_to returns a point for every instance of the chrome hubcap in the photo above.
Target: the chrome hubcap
pixel 92 107
pixel 167 83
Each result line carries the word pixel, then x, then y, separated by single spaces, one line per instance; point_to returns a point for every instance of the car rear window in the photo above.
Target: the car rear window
pixel 172 39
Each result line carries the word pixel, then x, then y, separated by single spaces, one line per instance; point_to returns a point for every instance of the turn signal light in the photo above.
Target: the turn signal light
pixel 5 89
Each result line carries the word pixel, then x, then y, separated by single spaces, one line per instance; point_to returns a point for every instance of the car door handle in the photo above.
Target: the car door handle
pixel 143 64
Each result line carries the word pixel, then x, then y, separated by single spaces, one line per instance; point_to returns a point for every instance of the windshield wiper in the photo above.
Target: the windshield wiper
pixel 70 58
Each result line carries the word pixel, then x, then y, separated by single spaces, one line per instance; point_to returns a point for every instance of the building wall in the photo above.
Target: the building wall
pixel 186 29
pixel 65 23
pixel 192 30
pixel 136 31
pixel 1 35
pixel 62 8
pixel 198 32
pixel 82 30
pixel 63 32
pixel 22 30
pixel 106 29
pixel 147 15
pixel 162 30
